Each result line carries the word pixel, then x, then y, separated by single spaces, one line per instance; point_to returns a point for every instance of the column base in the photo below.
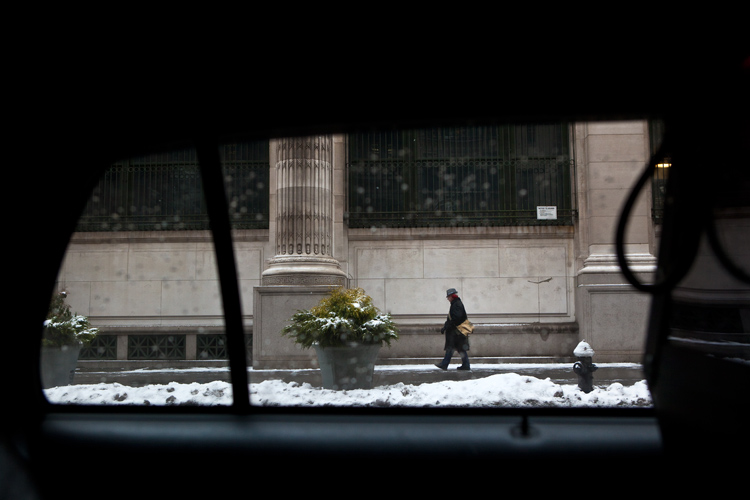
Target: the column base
pixel 304 271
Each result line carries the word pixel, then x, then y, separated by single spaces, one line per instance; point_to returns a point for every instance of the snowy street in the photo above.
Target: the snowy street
pixel 488 385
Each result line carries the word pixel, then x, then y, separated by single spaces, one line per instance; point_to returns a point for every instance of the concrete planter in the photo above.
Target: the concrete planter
pixel 58 365
pixel 349 367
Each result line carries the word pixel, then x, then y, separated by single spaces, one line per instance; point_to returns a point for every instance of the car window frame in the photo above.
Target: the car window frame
pixel 209 164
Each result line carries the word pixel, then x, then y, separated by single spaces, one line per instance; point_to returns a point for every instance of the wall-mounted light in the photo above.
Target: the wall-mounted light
pixel 666 163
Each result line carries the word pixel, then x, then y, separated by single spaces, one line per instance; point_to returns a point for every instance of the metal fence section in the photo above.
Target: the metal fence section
pixel 163 192
pixel 460 176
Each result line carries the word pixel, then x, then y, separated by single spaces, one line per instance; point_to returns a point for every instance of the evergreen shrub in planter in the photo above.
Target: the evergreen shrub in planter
pixel 64 335
pixel 347 331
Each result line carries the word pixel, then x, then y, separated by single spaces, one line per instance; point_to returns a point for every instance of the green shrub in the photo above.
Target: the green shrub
pixel 345 316
pixel 65 328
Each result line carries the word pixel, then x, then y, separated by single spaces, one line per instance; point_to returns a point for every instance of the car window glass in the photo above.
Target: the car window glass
pixel 402 225
pixel 141 270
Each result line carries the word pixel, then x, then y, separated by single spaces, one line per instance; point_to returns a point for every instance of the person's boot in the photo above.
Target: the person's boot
pixel 464 362
pixel 443 365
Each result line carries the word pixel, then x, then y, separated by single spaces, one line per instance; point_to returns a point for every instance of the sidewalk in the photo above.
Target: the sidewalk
pixel 417 373
pixel 560 373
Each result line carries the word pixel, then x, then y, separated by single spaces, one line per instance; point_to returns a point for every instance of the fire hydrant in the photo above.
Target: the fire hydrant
pixel 584 368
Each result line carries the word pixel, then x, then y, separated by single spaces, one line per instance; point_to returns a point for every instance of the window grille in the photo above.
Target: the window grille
pixel 211 346
pixel 214 346
pixel 163 191
pixel 460 176
pixel 156 346
pixel 102 347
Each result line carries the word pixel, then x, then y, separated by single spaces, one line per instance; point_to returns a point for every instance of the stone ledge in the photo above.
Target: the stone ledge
pixel 492 328
pixel 201 236
pixel 426 233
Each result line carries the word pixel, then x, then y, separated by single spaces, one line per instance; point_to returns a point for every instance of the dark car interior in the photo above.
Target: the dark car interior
pixel 700 412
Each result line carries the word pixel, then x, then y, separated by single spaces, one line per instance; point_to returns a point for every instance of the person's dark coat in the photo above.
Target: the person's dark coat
pixel 453 338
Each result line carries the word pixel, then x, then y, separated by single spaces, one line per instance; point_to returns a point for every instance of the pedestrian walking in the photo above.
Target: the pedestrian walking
pixel 454 339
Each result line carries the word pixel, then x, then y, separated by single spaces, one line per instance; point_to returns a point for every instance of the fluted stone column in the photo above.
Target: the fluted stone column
pixel 304 214
pixel 303 268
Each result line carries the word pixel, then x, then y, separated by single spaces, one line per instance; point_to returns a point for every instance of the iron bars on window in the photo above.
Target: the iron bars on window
pixel 163 191
pixel 461 176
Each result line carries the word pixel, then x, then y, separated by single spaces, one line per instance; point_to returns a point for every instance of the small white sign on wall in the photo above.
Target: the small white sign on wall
pixel 546 212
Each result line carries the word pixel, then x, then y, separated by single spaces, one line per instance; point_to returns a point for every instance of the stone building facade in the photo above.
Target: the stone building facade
pixel 533 290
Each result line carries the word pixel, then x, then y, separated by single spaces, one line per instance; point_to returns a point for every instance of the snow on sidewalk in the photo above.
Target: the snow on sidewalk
pixel 500 390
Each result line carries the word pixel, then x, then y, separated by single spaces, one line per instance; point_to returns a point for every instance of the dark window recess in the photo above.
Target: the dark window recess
pixel 214 346
pixel 460 176
pixel 163 192
pixel 156 346
pixel 102 347
pixel 211 346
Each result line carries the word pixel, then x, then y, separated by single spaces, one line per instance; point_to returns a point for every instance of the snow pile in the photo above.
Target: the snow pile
pixel 501 390
pixel 583 350
pixel 174 393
